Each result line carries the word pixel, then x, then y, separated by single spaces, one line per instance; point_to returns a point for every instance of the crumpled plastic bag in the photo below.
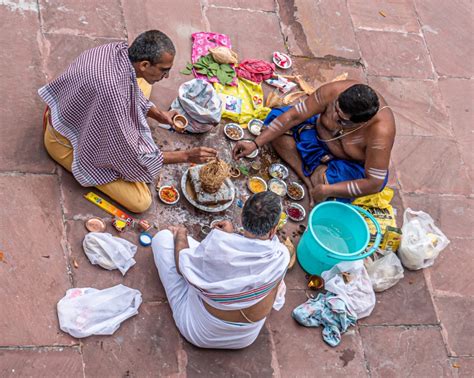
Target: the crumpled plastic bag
pixel 422 241
pixel 357 293
pixel 109 252
pixel 200 104
pixel 243 102
pixel 384 269
pixel 86 311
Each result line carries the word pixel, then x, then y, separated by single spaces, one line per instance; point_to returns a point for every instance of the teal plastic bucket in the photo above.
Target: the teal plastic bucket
pixel 336 232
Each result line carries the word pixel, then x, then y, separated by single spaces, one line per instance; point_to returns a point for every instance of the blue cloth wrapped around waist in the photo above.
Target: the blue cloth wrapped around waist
pixel 312 150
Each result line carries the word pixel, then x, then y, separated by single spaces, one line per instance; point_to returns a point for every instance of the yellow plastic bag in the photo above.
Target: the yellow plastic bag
pixel 381 199
pixel 242 102
pixel 378 205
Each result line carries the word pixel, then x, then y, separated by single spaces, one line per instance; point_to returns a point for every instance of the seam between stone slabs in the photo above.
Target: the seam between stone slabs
pixel 418 19
pixel 240 9
pixel 402 326
pixel 21 174
pixel 275 365
pixel 371 29
pixel 280 26
pixel 73 33
pixel 366 360
pixel 360 60
pixel 66 246
pixel 333 59
pixel 45 348
pixel 204 8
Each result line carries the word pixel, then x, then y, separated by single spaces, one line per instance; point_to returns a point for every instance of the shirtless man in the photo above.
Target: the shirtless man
pixel 340 140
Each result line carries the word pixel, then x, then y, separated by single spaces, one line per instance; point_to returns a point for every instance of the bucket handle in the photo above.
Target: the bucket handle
pixel 378 238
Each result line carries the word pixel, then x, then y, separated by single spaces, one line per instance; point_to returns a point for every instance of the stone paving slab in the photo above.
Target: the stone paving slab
pixel 146 345
pixel 405 352
pixel 455 314
pixel 318 29
pixel 441 176
pixel 33 273
pixel 261 5
pixel 408 302
pixel 104 19
pixel 463 366
pixel 20 107
pixel 44 362
pixel 417 104
pixel 382 15
pixel 447 26
pixel 395 54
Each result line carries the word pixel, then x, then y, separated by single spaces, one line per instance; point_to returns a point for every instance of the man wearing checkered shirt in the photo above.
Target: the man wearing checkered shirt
pixel 95 120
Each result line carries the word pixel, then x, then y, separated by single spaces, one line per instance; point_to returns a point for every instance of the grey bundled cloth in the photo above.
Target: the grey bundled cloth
pixel 329 311
pixel 109 252
pixel 200 104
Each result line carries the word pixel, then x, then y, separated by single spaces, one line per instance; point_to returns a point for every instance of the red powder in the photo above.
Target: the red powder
pixel 294 212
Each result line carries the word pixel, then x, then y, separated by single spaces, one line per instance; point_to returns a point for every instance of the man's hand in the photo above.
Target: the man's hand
pixel 225 225
pixel 319 193
pixel 168 117
pixel 200 155
pixel 243 148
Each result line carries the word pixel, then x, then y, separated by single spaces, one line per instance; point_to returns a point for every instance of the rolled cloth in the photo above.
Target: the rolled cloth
pixel 232 271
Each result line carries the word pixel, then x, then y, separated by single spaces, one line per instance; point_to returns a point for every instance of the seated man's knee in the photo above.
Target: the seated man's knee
pixel 277 142
pixel 140 204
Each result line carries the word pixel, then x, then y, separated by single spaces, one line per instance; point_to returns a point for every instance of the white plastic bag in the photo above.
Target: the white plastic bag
pixel 109 252
pixel 384 269
pixel 86 311
pixel 201 105
pixel 421 242
pixel 357 293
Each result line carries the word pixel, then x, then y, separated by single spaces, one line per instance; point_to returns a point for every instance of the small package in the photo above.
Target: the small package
pixel 283 85
pixel 391 239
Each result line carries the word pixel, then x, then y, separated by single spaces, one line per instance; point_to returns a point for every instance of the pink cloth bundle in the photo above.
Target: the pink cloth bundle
pixel 255 70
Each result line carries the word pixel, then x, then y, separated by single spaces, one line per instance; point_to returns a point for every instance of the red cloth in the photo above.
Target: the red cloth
pixel 255 70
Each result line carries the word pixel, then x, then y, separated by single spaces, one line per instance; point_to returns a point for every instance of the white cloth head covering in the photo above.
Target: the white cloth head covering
pixel 232 271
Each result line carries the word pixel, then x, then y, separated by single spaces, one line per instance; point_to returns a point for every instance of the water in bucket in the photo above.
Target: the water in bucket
pixel 334 237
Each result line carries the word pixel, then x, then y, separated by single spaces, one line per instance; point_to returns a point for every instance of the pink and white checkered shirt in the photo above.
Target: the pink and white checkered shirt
pixel 97 104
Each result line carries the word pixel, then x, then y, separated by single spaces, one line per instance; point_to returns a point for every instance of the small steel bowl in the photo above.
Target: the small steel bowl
pixel 163 200
pixel 233 126
pixel 293 205
pixel 255 126
pixel 296 185
pixel 257 179
pixel 234 172
pixel 278 171
pixel 252 155
pixel 275 182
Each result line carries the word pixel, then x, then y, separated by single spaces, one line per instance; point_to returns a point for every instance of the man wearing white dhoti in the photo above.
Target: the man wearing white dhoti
pixel 222 289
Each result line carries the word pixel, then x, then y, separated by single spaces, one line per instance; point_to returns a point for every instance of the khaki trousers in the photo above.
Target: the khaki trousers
pixel 134 196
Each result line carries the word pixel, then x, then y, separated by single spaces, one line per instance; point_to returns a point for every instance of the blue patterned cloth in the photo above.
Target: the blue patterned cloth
pixel 330 312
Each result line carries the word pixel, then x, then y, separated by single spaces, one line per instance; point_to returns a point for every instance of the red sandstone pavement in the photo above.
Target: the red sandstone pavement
pixel 417 53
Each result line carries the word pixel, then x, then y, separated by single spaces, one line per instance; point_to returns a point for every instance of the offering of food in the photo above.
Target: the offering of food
pixel 180 122
pixel 277 186
pixel 296 212
pixel 222 195
pixel 255 126
pixel 233 131
pixel 95 225
pixel 295 191
pixel 168 194
pixel 257 184
pixel 279 171
pixel 213 175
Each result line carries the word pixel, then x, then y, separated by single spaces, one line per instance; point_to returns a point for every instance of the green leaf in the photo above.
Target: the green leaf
pixel 203 71
pixel 189 66
pixel 210 74
pixel 226 68
pixel 186 71
pixel 214 66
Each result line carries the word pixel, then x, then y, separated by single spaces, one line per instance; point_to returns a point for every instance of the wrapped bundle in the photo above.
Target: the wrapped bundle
pixel 213 175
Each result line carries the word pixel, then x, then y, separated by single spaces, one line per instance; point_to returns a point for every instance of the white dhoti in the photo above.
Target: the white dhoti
pixel 194 322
